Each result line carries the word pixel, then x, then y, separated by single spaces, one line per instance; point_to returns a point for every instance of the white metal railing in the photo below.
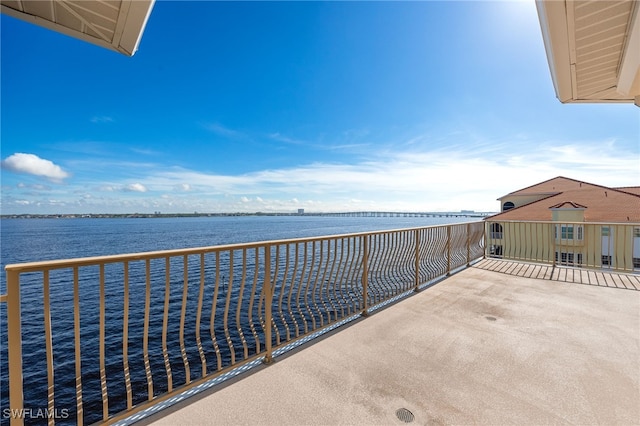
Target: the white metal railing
pixel 98 339
pixel 613 246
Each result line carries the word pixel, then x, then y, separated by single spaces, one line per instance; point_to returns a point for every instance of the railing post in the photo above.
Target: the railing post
pixel 268 299
pixel 417 259
pixel 14 337
pixel 365 275
pixel 448 249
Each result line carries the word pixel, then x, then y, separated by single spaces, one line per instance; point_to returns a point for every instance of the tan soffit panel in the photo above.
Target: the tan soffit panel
pixel 115 24
pixel 593 49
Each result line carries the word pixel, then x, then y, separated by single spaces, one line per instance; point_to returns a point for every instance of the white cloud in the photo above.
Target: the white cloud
pixel 34 165
pixel 135 187
pixel 101 119
pixel 183 187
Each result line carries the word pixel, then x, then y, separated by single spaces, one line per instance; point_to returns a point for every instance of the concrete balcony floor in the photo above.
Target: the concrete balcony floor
pixel 497 343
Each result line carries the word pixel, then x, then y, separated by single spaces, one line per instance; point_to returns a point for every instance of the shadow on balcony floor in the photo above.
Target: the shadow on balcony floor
pixel 602 278
pixel 480 347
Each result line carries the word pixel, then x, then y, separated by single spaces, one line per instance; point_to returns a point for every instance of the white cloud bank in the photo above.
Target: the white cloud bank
pixel 34 165
pixel 445 179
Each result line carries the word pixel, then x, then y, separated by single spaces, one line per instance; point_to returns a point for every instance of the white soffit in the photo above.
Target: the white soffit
pixel 593 49
pixel 115 24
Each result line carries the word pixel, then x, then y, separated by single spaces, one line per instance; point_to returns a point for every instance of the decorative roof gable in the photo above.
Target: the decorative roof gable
pixel 568 205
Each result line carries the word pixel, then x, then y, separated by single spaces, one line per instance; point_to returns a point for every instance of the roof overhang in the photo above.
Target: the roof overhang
pixel 114 24
pixel 593 49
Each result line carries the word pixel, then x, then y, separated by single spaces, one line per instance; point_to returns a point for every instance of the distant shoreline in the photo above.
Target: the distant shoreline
pixel 171 215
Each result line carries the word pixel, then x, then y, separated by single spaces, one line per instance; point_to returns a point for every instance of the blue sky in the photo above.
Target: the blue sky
pixel 276 106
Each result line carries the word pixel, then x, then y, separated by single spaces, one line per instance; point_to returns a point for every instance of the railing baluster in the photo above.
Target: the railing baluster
pixel 165 322
pixel 203 359
pixel 345 300
pixel 252 297
pixel 282 291
pixel 225 318
pixel 14 341
pixel 416 277
pixel 365 275
pixel 145 335
pixel 448 249
pixel 304 290
pixel 243 281
pixel 275 280
pixel 214 308
pixel 324 285
pixel 468 229
pixel 77 345
pixel 331 284
pixel 292 285
pixel 407 256
pixel 103 370
pixel 48 343
pixel 314 297
pixel 183 314
pixel 268 291
pixel 125 337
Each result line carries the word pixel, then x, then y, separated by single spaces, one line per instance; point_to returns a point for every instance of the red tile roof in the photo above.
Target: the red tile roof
pixel 553 186
pixel 630 189
pixel 601 204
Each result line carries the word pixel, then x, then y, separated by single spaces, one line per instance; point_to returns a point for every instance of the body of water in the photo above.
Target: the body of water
pixel 29 240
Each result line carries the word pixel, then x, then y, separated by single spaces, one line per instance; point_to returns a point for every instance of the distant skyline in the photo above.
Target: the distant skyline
pixel 277 106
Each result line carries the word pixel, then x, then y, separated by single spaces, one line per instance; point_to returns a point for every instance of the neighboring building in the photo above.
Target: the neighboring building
pixel 569 222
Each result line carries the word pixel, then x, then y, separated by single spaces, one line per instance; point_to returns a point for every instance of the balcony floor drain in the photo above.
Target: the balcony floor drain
pixel 405 415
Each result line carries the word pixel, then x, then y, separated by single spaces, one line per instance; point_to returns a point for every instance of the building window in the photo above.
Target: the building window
pixel 495 251
pixel 569 259
pixel 636 232
pixel 606 260
pixel 568 232
pixel 636 263
pixel 507 206
pixel 605 231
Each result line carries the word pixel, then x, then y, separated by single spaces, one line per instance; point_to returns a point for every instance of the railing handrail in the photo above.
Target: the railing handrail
pixel 159 254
